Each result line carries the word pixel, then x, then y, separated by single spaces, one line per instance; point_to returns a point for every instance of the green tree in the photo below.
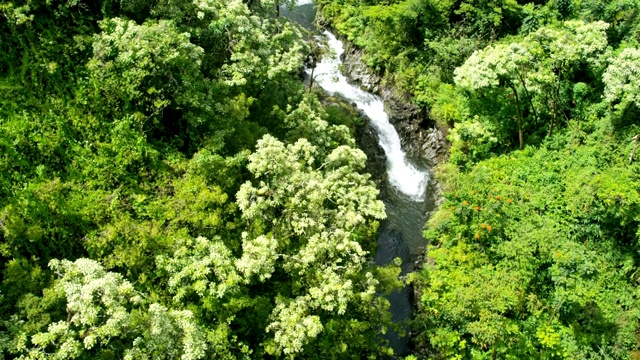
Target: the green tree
pixel 539 66
pixel 308 218
pixel 622 86
pixel 530 257
pixel 145 67
pixel 104 311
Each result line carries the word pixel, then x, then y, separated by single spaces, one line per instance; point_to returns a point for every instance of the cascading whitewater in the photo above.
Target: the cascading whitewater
pixel 405 193
pixel 403 176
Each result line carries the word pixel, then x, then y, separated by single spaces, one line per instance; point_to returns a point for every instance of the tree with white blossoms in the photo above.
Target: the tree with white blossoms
pixel 306 121
pixel 622 79
pixel 106 315
pixel 306 217
pixel 559 53
pixel 497 65
pixel 142 67
pixel 262 49
pixel 536 66
pixel 202 275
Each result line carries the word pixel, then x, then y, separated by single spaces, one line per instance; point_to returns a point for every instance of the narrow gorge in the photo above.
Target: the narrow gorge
pixel 406 185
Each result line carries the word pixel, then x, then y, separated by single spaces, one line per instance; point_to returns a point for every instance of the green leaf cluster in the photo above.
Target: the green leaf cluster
pixel 169 189
pixel 533 253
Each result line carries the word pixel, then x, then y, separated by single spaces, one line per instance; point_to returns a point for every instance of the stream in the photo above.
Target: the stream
pixel 405 185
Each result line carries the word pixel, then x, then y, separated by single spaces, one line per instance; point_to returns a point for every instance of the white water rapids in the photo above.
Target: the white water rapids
pixel 403 176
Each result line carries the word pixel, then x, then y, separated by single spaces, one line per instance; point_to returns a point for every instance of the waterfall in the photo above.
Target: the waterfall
pixel 403 176
pixel 404 194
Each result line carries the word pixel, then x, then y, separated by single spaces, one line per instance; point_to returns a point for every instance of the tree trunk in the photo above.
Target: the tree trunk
pixel 515 94
pixel 556 102
pixel 554 113
pixel 550 126
pixel 526 92
pixel 635 146
pixel 520 131
pixel 556 310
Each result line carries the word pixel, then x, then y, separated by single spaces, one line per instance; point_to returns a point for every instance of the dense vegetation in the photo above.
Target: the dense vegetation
pixel 170 189
pixel 534 252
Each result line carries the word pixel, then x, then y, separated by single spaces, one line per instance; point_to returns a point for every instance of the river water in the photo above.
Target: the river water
pixel 405 184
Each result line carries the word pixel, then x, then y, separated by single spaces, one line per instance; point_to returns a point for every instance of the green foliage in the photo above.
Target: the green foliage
pixel 470 142
pixel 126 130
pixel 135 221
pixel 448 103
pixel 152 59
pixel 533 254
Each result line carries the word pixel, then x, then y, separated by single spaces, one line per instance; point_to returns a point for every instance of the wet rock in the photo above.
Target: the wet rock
pixel 358 71
pixel 433 144
pixel 420 136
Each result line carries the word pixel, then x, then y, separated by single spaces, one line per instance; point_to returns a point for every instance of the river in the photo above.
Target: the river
pixel 405 183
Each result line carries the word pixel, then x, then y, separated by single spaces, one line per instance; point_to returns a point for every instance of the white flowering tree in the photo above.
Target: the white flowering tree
pixel 306 218
pixel 498 65
pixel 306 121
pixel 106 315
pixel 622 79
pixel 535 66
pixel 143 67
pixel 261 49
pixel 559 53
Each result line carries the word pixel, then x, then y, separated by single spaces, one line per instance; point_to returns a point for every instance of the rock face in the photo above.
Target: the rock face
pixel 420 136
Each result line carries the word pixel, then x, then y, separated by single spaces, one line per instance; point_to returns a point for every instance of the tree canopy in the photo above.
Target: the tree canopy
pixel 533 252
pixel 170 188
